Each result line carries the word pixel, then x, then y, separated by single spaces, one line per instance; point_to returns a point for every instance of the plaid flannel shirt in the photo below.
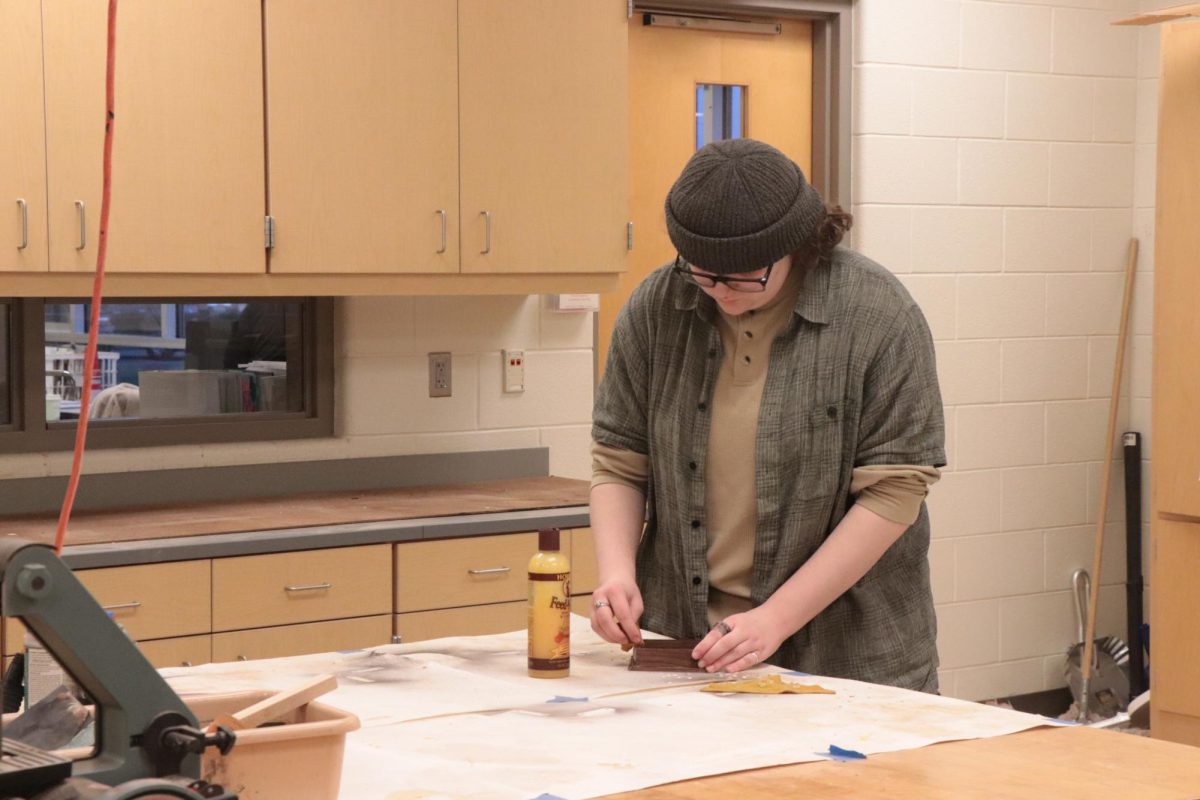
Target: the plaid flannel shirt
pixel 851 382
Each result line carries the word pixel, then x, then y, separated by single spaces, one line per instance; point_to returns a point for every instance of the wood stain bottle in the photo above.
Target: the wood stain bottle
pixel 549 609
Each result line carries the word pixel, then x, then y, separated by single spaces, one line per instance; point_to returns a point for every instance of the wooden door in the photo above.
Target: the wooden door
pixel 188 187
pixel 665 67
pixel 1176 387
pixel 363 132
pixel 543 135
pixel 22 139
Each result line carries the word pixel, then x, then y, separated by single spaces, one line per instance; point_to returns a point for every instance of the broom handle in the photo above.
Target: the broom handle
pixel 1114 401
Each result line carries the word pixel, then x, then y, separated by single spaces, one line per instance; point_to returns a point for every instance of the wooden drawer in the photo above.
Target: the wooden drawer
pixel 581 604
pixel 288 588
pixel 14 636
pixel 584 575
pixel 295 640
pixel 463 572
pixel 182 651
pixel 472 621
pixel 155 601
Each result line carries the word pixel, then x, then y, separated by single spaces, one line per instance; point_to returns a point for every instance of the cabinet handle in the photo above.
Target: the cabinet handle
pixel 487 233
pixel 21 204
pixel 242 658
pixel 82 224
pixel 186 664
pixel 116 606
pixel 441 212
pixel 492 571
pixel 308 587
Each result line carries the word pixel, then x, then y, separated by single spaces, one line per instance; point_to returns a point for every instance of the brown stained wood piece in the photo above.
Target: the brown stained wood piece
pixel 665 655
pixel 298 511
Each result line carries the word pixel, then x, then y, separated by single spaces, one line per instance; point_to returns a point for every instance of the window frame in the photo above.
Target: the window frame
pixel 30 433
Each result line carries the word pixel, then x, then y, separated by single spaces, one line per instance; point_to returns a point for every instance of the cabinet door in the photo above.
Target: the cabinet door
pixel 463 572
pixel 544 135
pixel 1176 389
pixel 363 134
pixel 22 139
pixel 286 588
pixel 1174 597
pixel 584 573
pixel 153 601
pixel 188 193
pixel 182 651
pixel 483 620
pixel 298 640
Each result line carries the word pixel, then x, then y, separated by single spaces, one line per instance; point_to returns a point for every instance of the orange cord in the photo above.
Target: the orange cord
pixel 89 358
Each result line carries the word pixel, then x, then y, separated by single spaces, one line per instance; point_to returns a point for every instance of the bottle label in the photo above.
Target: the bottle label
pixel 549 621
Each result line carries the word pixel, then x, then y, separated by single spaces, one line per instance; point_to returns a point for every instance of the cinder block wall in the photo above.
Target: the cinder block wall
pixel 1001 149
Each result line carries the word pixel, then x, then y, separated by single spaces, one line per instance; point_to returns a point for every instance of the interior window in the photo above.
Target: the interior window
pixel 720 112
pixel 162 359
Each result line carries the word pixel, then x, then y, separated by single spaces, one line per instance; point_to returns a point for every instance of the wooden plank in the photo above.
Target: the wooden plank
pixel 295 640
pixel 1163 15
pixel 462 572
pixel 97 527
pixel 1032 765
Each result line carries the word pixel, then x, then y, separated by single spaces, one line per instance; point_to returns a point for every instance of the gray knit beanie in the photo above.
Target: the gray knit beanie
pixel 739 205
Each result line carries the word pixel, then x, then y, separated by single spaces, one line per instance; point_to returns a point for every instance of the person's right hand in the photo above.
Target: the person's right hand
pixel 617 611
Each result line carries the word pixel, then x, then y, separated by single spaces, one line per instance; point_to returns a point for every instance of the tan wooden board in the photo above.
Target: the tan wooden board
pixel 1031 765
pixel 1163 15
pixel 334 508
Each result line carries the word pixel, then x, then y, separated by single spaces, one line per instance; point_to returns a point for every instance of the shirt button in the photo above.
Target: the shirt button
pixel 749 334
pixel 692 465
pixel 696 580
pixel 746 359
pixel 712 353
pixel 831 412
pixel 702 406
pixel 695 524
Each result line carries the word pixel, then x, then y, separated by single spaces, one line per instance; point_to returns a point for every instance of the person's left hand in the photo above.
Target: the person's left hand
pixel 740 641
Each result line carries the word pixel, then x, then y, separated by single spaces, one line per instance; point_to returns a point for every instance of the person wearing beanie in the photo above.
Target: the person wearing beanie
pixel 766 431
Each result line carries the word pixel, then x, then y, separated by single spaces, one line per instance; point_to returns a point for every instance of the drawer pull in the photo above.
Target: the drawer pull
pixel 308 587
pixel 492 571
pixel 21 204
pixel 117 606
pixel 82 211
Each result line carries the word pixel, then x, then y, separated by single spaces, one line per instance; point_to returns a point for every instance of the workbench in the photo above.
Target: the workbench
pixel 458 717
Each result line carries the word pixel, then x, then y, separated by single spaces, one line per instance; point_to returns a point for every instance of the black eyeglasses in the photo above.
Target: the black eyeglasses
pixel 708 280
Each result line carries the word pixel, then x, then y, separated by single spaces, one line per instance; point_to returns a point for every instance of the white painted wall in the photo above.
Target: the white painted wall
pixel 1003 156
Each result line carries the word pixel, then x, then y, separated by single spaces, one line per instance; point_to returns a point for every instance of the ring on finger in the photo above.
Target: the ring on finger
pixel 723 627
pixel 753 656
pixel 600 604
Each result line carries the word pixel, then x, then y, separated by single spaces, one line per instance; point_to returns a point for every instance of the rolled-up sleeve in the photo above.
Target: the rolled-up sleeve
pixel 894 492
pixel 613 465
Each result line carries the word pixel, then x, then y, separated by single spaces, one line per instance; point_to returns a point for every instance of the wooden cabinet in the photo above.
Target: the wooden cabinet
pixel 22 139
pixel 188 193
pixel 181 651
pixel 293 640
pixel 478 585
pixel 363 135
pixel 1175 528
pixel 544 136
pixel 307 586
pixel 379 111
pixel 480 620
pixel 155 601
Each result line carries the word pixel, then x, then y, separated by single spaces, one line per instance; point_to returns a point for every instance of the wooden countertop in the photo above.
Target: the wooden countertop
pixel 1058 763
pixel 299 511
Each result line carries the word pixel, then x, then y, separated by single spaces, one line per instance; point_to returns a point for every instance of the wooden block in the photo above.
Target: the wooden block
pixel 665 655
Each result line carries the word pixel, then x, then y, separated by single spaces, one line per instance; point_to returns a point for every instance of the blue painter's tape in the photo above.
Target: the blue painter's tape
pixel 799 674
pixel 558 698
pixel 545 796
pixel 842 754
pixel 1065 723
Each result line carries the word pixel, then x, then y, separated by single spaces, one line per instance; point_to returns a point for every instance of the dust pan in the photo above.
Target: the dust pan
pixel 1108 688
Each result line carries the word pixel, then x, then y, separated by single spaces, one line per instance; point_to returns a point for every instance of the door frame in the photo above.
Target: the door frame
pixel 833 23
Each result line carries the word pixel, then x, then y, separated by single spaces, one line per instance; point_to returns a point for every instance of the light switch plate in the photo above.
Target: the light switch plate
pixel 514 370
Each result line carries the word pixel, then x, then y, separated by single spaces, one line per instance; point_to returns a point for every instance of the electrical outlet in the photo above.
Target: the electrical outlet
pixel 439 374
pixel 514 370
